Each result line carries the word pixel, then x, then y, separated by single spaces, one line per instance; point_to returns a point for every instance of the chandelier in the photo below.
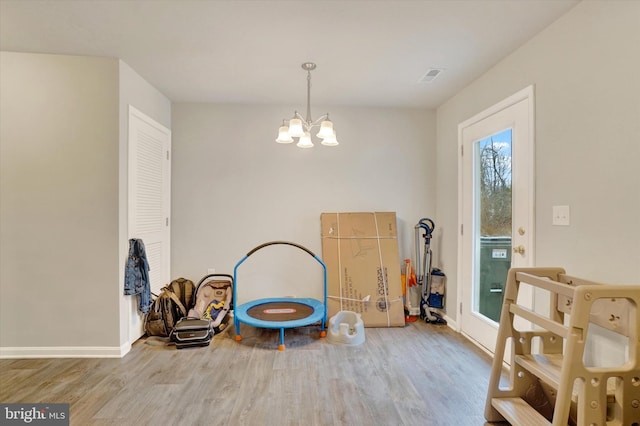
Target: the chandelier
pixel 299 127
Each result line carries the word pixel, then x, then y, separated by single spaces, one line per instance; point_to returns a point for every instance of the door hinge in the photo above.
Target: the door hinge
pixel 462 150
pixel 166 221
pixel 461 229
pixel 167 155
pixel 460 308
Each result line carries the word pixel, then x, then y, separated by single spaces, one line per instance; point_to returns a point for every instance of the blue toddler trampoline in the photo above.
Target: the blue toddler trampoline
pixel 280 313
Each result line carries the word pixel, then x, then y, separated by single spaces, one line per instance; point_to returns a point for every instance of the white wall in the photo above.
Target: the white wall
pixel 58 203
pixel 586 72
pixel 136 91
pixel 235 188
pixel 63 202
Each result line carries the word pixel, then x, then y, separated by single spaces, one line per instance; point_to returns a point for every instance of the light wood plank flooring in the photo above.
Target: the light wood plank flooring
pixel 421 374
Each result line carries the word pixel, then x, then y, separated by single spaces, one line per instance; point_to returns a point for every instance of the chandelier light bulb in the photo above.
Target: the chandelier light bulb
pixel 295 128
pixel 326 129
pixel 330 140
pixel 283 135
pixel 305 141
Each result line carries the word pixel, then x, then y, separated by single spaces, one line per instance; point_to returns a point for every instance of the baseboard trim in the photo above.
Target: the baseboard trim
pixel 476 343
pixel 451 323
pixel 66 352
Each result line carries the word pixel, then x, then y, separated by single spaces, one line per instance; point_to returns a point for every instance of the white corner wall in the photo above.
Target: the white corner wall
pixel 586 72
pixel 136 91
pixel 235 188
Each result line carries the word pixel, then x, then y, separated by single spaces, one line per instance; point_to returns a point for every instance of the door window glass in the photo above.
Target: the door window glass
pixel 493 237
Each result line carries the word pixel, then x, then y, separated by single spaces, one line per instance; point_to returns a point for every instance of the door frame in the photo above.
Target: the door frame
pixel 136 120
pixel 527 95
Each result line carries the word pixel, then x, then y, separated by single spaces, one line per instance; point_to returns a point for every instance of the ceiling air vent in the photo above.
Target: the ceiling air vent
pixel 430 75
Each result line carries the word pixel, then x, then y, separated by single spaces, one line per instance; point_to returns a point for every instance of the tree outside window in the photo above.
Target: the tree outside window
pixel 495 185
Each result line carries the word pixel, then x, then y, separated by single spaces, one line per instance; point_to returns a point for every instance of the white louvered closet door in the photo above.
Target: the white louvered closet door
pixel 150 193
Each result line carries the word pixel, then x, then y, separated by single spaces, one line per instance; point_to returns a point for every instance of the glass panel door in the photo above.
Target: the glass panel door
pixel 495 211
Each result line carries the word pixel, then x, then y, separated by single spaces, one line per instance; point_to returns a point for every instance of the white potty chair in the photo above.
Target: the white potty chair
pixel 346 328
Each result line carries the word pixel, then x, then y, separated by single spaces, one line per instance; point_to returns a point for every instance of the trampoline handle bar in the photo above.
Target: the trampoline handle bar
pixel 280 242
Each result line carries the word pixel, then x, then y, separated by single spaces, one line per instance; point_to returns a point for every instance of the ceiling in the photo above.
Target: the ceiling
pixel 368 53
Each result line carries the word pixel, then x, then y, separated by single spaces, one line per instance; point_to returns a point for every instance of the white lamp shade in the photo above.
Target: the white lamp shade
pixel 326 129
pixel 295 128
pixel 283 135
pixel 330 140
pixel 305 141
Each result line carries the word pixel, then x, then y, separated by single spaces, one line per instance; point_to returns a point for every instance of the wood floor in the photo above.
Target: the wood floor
pixel 421 374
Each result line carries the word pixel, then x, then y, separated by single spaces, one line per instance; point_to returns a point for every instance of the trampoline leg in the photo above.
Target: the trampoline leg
pixel 237 326
pixel 281 346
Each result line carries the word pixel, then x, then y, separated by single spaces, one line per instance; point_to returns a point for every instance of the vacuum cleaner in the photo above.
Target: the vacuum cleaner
pixel 432 296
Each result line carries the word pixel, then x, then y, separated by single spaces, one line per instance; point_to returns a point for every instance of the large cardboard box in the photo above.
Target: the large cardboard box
pixel 361 254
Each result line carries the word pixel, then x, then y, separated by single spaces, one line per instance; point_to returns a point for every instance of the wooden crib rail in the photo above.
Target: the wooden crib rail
pixel 610 305
pixel 549 383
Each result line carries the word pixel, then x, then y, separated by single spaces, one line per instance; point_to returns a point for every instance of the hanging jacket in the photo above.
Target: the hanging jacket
pixel 136 275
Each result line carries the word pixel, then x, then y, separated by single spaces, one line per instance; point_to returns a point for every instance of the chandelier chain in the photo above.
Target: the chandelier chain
pixel 309 97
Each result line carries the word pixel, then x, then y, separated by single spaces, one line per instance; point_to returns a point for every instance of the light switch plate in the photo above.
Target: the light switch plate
pixel 561 216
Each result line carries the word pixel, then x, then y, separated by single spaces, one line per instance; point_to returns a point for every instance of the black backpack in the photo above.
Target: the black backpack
pixel 172 304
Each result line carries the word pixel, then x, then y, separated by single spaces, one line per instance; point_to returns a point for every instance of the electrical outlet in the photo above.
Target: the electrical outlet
pixel 211 271
pixel 561 216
